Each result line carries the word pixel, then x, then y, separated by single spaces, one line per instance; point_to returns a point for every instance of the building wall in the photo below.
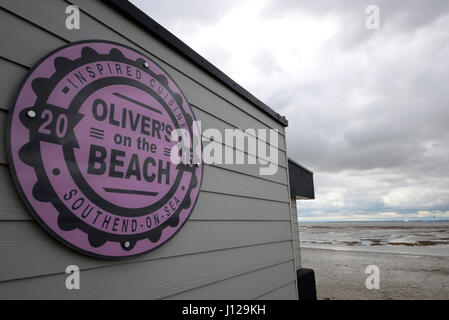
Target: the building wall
pixel 238 242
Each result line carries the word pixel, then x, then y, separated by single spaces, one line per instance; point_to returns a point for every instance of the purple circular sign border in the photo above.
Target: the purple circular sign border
pixel 24 197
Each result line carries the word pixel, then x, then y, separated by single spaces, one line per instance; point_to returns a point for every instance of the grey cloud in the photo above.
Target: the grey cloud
pixel 333 132
pixel 218 54
pixel 265 58
pixel 394 15
pixel 402 14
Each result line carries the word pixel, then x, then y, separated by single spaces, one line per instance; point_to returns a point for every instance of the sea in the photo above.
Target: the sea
pixel 412 237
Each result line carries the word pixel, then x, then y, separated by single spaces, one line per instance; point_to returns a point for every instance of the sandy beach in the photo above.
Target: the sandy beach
pixel 411 270
pixel 341 275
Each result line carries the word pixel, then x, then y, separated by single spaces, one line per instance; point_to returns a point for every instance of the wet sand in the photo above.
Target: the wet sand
pixel 340 274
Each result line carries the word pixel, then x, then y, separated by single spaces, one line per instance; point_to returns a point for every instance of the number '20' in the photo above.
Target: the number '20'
pixel 60 125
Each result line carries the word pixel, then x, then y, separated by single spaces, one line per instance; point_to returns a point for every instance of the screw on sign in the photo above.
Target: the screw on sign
pixel 89 135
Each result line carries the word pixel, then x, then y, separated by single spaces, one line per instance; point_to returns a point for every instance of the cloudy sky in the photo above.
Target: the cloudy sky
pixel 368 108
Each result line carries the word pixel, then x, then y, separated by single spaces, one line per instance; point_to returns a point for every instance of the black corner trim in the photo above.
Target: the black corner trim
pixel 306 284
pixel 171 40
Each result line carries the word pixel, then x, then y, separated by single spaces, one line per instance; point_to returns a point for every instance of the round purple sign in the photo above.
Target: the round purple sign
pixel 91 149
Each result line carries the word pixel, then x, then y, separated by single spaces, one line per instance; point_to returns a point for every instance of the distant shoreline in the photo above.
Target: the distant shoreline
pixel 416 238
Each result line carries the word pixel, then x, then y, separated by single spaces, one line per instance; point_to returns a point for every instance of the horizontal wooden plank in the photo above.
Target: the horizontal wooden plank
pixel 226 207
pixel 23 243
pixel 250 285
pixel 283 293
pixel 195 93
pixel 11 207
pixel 228 182
pixel 152 279
pixel 12 76
pixel 253 170
pixel 26 43
pixel 132 31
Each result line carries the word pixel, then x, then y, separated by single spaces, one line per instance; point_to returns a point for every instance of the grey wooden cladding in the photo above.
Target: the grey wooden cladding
pixel 249 284
pixel 152 279
pixel 284 292
pixel 210 205
pixel 238 242
pixel 229 182
pixel 227 207
pixel 23 243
